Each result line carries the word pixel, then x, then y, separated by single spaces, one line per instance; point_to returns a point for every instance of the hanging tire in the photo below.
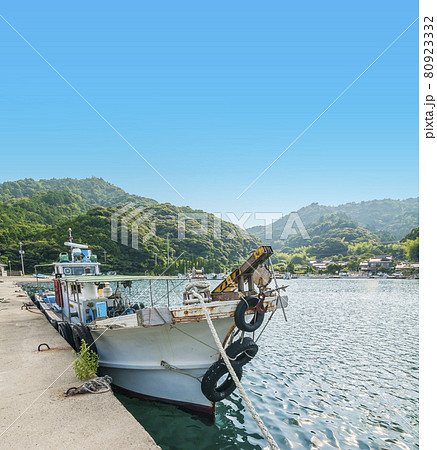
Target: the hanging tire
pixel 65 331
pixel 240 312
pixel 215 392
pixel 81 331
pixel 242 352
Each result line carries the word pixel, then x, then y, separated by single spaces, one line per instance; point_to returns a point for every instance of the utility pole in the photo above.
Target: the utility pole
pixel 104 255
pixel 10 270
pixel 156 259
pixel 168 251
pixel 21 252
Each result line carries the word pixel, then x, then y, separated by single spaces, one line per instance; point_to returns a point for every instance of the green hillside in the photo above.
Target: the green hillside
pixel 332 227
pixel 93 191
pixel 336 237
pixel 389 219
pixel 39 213
pixel 412 235
pixel 41 218
pixel 36 212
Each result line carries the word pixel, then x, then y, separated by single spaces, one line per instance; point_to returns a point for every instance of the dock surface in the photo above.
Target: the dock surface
pixel 34 413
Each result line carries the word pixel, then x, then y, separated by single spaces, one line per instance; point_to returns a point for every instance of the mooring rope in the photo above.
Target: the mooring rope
pixel 98 385
pixel 231 370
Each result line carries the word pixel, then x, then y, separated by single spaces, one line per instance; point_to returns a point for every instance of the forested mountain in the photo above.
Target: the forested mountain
pixel 93 191
pixel 412 235
pixel 39 213
pixel 389 219
pixel 36 212
pixel 336 237
pixel 332 228
pixel 41 218
pixel 94 229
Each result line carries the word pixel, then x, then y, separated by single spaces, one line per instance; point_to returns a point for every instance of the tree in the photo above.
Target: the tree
pixel 412 249
pixel 329 247
pixel 333 268
pixel 290 267
pixel 413 234
pixel 297 258
pixel 353 266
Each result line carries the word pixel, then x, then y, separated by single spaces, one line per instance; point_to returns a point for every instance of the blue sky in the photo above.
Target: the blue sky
pixel 210 94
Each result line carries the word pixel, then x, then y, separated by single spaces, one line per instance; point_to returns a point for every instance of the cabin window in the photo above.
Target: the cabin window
pixel 80 270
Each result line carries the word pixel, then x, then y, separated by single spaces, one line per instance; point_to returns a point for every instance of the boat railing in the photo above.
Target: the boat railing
pixel 155 291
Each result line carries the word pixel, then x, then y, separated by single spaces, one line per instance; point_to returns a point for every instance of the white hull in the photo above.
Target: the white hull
pixel 133 357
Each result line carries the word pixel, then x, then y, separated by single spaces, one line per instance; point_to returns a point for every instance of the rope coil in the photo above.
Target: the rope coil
pixel 97 385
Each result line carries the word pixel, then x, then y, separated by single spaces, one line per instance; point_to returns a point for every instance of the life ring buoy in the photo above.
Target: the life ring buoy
pixel 210 386
pixel 242 352
pixel 82 332
pixel 240 312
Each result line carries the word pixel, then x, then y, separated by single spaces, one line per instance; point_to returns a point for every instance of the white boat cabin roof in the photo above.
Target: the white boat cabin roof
pixel 109 278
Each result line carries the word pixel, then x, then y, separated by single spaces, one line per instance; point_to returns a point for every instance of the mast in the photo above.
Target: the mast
pixel 70 239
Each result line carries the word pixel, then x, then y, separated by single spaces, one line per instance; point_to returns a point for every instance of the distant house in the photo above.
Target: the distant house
pixel 409 266
pixel 322 265
pixel 372 266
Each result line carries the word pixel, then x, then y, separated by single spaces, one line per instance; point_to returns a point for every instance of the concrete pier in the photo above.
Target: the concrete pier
pixel 34 413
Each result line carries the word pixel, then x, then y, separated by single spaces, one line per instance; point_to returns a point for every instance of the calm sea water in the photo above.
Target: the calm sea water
pixel 341 372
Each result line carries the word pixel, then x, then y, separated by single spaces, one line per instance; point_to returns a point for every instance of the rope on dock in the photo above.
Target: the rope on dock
pixel 97 385
pixel 29 306
pixel 231 370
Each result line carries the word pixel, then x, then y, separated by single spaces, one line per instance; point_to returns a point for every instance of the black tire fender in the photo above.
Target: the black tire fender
pixel 242 352
pixel 240 312
pixel 81 331
pixel 65 331
pixel 35 300
pixel 214 392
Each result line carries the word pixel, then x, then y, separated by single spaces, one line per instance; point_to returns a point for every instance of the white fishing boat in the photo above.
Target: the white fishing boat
pixel 156 348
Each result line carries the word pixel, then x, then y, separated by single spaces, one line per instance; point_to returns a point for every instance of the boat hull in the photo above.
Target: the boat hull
pixel 164 363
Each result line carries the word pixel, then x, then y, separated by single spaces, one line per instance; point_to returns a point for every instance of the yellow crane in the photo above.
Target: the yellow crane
pixel 233 285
